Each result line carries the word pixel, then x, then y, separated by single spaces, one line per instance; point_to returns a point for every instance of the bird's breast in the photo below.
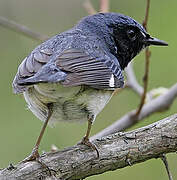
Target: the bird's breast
pixel 69 103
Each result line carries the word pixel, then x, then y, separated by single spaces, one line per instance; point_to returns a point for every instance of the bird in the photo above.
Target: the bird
pixel 73 75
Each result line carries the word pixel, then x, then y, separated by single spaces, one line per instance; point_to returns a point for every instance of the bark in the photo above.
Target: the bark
pixel 116 151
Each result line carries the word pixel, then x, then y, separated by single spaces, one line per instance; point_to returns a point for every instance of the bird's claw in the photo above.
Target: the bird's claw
pixel 87 142
pixel 34 156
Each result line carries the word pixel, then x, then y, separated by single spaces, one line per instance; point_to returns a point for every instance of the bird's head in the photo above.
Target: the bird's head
pixel 125 36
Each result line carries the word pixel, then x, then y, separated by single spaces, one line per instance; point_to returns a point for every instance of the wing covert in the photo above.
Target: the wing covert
pixel 82 69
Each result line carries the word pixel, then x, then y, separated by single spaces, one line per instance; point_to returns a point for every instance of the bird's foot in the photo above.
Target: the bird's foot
pixel 87 142
pixel 34 156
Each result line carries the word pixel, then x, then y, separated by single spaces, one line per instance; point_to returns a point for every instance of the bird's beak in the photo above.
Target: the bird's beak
pixel 155 41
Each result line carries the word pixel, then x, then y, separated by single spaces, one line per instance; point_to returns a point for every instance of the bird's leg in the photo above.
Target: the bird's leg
pixel 34 156
pixel 85 139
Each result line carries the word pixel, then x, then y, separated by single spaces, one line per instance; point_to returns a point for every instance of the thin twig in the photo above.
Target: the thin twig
pixel 164 159
pixel 145 81
pixel 89 7
pixel 104 5
pixel 147 59
pixel 21 29
pixel 146 15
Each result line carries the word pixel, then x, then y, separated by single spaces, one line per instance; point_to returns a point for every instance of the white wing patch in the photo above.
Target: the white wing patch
pixel 111 81
pixel 143 34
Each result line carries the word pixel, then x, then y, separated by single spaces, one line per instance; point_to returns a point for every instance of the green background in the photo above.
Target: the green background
pixel 19 128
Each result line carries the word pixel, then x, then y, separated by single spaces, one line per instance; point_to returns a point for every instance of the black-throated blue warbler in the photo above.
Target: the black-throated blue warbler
pixel 73 75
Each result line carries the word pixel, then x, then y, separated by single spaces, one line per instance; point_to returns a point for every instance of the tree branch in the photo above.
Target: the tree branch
pixel 116 151
pixel 21 29
pixel 132 81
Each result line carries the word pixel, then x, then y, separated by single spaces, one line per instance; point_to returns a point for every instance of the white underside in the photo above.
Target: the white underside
pixel 69 103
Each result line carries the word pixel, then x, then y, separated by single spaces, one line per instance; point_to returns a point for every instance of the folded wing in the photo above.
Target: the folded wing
pixel 82 69
pixel 72 67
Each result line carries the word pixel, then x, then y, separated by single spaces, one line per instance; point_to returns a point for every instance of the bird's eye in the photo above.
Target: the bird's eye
pixel 131 34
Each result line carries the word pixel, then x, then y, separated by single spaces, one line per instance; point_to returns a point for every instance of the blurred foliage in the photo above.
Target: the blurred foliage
pixel 19 128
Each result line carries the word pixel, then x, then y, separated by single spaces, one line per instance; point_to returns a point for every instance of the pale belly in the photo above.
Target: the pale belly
pixel 69 103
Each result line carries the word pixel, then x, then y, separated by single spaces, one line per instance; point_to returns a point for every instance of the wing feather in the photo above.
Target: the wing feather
pixel 80 67
pixel 83 69
pixel 30 66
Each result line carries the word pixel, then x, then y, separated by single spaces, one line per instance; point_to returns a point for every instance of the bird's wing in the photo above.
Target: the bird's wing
pixel 72 68
pixel 30 66
pixel 82 69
